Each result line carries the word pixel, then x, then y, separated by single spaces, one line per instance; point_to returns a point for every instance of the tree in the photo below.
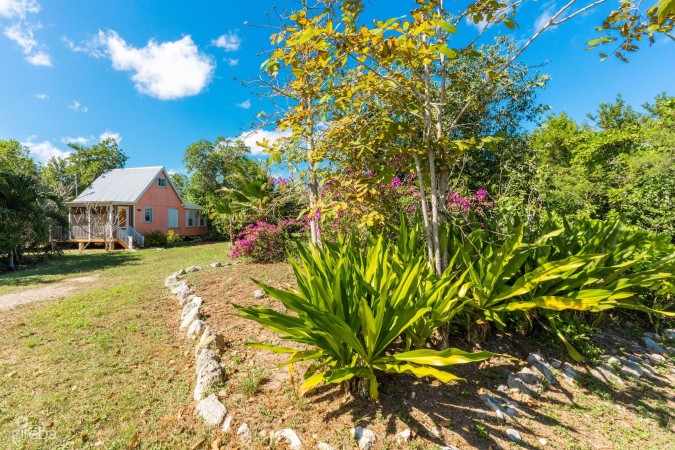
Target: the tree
pixel 27 206
pixel 71 175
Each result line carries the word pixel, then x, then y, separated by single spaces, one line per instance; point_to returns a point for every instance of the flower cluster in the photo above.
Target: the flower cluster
pixel 262 242
pixel 476 203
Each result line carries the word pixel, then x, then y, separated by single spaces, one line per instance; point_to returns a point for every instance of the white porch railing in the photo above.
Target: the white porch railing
pixel 128 235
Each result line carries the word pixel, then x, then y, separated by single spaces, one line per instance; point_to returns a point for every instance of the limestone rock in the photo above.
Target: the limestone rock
pixel 632 368
pixel 649 372
pixel 656 359
pixel 324 446
pixel 611 360
pixel 205 356
pixel 448 447
pixel 540 363
pixel 669 333
pixel 288 436
pixel 178 287
pixel 258 294
pixel 193 269
pixel 196 328
pixel 364 437
pixel 513 435
pixel 180 272
pixel 653 346
pixel 526 381
pixel 190 317
pixel 244 433
pixel 494 404
pixel 196 302
pixel 171 281
pixel 403 437
pixel 211 410
pixel 216 264
pixel 211 340
pixel 605 374
pixel 653 336
pixel 210 374
pixel 569 372
pixel 556 364
pixel 227 424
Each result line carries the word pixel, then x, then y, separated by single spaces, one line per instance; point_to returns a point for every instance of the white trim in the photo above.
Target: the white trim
pixel 152 214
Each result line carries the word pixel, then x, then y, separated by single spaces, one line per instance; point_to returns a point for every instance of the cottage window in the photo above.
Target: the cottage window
pixel 161 182
pixel 147 215
pixel 190 218
pixel 202 220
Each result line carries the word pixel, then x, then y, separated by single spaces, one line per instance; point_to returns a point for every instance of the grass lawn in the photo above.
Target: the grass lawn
pixel 103 368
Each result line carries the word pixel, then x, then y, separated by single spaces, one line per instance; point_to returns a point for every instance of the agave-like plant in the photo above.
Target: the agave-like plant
pixel 353 309
pixel 590 266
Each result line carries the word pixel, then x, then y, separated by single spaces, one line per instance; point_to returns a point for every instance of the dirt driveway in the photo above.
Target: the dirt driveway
pixel 48 292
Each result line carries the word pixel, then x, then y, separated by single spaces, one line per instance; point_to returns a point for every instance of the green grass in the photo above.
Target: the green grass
pixel 95 367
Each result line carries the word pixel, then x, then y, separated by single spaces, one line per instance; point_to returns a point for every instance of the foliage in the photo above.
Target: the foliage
pixel 74 173
pixel 173 238
pixel 262 242
pixel 585 266
pixel 155 239
pixel 28 207
pixel 353 308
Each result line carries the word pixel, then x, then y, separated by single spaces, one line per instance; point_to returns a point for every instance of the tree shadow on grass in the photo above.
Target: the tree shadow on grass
pixel 68 265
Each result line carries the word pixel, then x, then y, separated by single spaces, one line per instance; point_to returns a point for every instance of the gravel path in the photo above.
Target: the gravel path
pixel 48 292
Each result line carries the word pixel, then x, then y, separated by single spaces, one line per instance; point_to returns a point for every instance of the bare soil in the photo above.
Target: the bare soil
pixel 584 415
pixel 49 292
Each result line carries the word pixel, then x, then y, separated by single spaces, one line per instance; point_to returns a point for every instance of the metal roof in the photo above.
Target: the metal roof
pixel 123 186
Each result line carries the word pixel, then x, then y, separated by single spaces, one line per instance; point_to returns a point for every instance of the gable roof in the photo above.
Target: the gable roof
pixel 122 186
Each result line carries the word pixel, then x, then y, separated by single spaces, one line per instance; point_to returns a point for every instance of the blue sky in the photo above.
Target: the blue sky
pixel 158 75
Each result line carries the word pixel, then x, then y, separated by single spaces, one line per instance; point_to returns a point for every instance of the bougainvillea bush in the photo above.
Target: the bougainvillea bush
pixel 262 242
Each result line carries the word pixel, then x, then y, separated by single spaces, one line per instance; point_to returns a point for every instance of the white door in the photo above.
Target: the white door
pixel 173 218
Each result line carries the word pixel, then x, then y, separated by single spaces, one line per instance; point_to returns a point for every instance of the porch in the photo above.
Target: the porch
pixel 108 224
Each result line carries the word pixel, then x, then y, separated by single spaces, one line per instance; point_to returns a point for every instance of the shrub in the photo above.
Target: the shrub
pixel 155 239
pixel 173 238
pixel 262 242
pixel 353 307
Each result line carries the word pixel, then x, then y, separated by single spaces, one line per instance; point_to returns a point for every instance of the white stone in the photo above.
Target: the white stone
pixel 227 424
pixel 188 306
pixel 196 329
pixel 656 359
pixel 649 372
pixel 175 289
pixel 171 281
pixel 403 437
pixel 669 333
pixel 525 381
pixel 216 264
pixel 259 294
pixel 193 269
pixel 364 437
pixel 210 374
pixel 180 272
pixel 288 436
pixel 653 336
pixel 612 360
pixel 494 405
pixel 205 355
pixel 543 441
pixel 189 318
pixel 448 447
pixel 324 446
pixel 211 410
pixel 244 433
pixel 540 363
pixel 556 364
pixel 606 374
pixel 634 368
pixel 513 435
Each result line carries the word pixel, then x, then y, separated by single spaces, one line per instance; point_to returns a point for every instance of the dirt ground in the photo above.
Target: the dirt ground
pixel 49 292
pixel 584 415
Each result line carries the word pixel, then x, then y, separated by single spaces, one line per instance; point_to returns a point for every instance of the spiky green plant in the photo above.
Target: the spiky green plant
pixel 352 309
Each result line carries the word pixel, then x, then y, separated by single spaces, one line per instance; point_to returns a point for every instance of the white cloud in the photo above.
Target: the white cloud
pixel 41 96
pixel 40 59
pixel 21 31
pixel 246 104
pixel 175 171
pixel 545 16
pixel 18 9
pixel 251 138
pixel 110 135
pixel 78 107
pixel 165 70
pixel 43 150
pixel 230 41
pixel 81 140
pixel 231 61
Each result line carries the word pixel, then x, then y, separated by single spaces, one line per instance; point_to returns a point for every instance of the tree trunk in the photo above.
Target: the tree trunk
pixel 425 210
pixel 359 387
pixel 10 261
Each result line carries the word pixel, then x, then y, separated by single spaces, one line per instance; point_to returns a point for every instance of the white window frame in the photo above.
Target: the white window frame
pixel 202 220
pixel 145 214
pixel 159 182
pixel 188 213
